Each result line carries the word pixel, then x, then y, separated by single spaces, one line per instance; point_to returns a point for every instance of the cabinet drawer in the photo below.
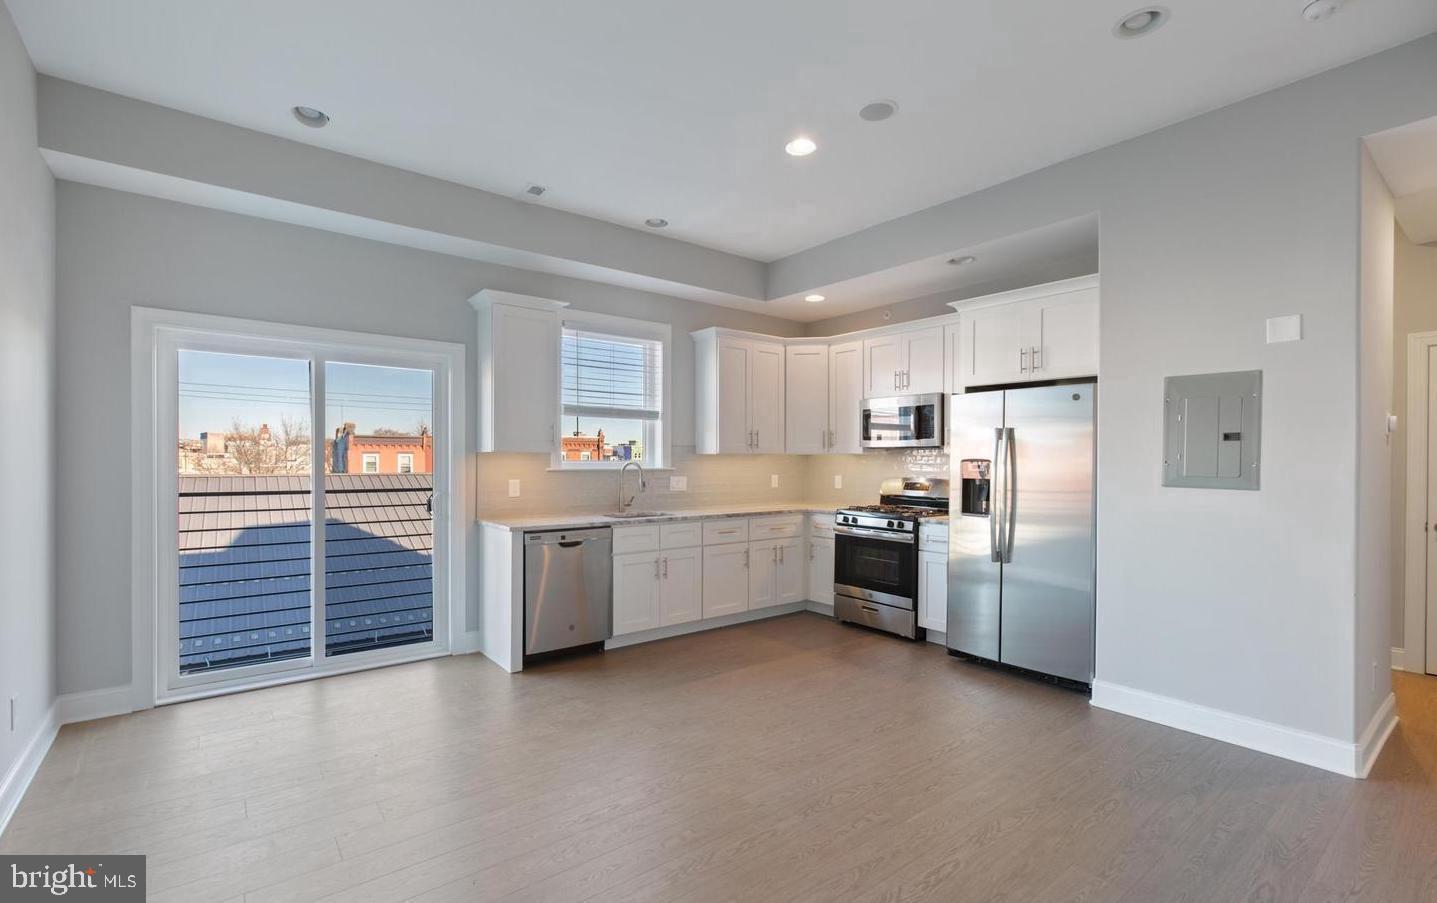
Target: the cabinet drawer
pixel 636 539
pixel 820 525
pixel 933 538
pixel 724 530
pixel 781 527
pixel 681 536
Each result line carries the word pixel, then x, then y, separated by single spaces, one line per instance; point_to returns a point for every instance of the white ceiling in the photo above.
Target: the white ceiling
pixel 629 109
pixel 1407 158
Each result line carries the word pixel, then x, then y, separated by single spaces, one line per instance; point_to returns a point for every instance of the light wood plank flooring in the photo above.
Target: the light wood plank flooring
pixel 792 759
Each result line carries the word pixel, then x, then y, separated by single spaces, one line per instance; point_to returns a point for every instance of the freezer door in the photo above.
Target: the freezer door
pixel 1048 577
pixel 974 569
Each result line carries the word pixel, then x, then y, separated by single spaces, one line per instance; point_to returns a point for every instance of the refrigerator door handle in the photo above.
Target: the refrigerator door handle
pixel 995 542
pixel 1010 489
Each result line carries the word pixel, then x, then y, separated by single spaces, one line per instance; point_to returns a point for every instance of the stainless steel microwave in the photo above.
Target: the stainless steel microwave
pixel 902 421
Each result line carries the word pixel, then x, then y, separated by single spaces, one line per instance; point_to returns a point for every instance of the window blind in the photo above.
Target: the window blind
pixel 611 376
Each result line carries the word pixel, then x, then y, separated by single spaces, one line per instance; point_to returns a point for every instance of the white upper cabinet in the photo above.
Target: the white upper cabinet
pixel 739 394
pixel 845 393
pixel 518 372
pixel 904 363
pixel 807 386
pixel 1046 332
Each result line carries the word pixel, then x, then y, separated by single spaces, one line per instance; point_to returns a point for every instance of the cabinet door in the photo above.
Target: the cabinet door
pixel 1063 330
pixel 636 592
pixel 766 397
pixel 734 365
pixel 762 574
pixel 923 367
pixel 953 358
pixel 806 404
pixel 790 573
pixel 933 590
pixel 680 586
pixel 725 579
pixel 992 342
pixel 526 379
pixel 845 393
pixel 820 569
pixel 882 363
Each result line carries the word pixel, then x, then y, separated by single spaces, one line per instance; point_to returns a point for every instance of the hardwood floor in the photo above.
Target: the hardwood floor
pixel 792 759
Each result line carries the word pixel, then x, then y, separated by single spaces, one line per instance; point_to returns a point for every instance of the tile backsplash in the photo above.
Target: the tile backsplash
pixel 713 480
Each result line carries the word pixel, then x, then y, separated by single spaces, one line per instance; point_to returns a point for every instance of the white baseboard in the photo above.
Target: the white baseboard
pixel 467 642
pixel 663 633
pixel 1399 659
pixel 937 637
pixel 1369 745
pixel 1317 750
pixel 17 779
pixel 91 704
pixel 821 608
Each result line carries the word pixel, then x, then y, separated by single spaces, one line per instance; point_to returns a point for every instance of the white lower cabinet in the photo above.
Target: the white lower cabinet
pixel 763 574
pixel 820 569
pixel 636 592
pixel 680 586
pixel 725 579
pixel 792 572
pixel 933 590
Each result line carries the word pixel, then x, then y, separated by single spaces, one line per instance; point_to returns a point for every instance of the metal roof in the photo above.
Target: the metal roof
pixel 244 556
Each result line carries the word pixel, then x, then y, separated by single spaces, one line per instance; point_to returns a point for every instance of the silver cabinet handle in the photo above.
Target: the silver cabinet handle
pixel 780 554
pixel 666 568
pixel 1035 357
pixel 1022 360
pixel 756 442
pixel 745 557
pixel 810 552
pixel 895 379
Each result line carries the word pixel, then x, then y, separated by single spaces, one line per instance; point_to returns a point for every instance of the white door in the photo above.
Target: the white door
pixel 762 574
pixel 992 346
pixel 766 406
pixel 845 393
pixel 882 364
pixel 790 573
pixel 524 418
pixel 933 590
pixel 735 437
pixel 636 592
pixel 680 586
pixel 923 370
pixel 820 569
pixel 725 579
pixel 1062 335
pixel 806 407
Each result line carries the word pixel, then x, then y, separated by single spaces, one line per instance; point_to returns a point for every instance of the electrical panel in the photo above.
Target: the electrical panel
pixel 1212 430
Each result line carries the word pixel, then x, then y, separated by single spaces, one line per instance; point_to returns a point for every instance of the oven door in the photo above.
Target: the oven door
pixel 903 421
pixel 875 569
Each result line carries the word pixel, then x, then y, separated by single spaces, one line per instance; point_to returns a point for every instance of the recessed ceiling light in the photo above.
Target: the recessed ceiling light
pixel 1318 10
pixel 656 222
pixel 315 119
pixel 1140 22
pixel 878 111
pixel 800 147
pixel 962 261
pixel 813 299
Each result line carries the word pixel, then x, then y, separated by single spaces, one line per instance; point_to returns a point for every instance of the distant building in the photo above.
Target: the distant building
pixel 579 447
pixel 352 452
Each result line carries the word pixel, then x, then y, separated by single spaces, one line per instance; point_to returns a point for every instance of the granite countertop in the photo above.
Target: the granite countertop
pixel 581 521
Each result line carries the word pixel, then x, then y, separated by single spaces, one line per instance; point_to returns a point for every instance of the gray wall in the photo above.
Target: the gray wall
pixel 1414 310
pixel 117 250
pixel 27 405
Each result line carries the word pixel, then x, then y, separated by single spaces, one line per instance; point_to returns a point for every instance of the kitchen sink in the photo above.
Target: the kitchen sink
pixel 630 515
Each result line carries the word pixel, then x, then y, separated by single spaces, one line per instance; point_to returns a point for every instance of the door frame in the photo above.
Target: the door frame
pixel 153 331
pixel 1414 618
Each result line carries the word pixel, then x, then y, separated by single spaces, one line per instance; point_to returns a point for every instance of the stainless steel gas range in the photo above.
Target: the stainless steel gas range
pixel 875 555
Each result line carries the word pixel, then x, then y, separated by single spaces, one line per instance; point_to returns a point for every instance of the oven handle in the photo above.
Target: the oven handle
pixel 874 534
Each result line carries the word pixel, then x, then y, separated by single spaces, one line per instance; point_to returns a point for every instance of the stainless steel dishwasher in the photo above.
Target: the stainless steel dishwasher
pixel 568 589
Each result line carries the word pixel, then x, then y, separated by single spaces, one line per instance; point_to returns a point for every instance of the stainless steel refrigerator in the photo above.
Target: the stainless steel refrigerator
pixel 1021 572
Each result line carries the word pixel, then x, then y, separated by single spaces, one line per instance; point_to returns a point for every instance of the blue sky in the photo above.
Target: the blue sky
pixel 217 389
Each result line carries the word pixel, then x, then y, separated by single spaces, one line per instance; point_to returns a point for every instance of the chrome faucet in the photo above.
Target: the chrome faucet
pixel 643 484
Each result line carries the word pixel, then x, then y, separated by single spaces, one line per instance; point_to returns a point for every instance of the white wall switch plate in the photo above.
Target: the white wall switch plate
pixel 773 481
pixel 838 481
pixel 513 489
pixel 678 484
pixel 1284 329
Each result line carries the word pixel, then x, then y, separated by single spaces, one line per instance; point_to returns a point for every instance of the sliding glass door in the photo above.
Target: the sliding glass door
pixel 271 571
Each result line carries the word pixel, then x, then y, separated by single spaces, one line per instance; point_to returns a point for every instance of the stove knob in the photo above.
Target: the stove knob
pixel 892 524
